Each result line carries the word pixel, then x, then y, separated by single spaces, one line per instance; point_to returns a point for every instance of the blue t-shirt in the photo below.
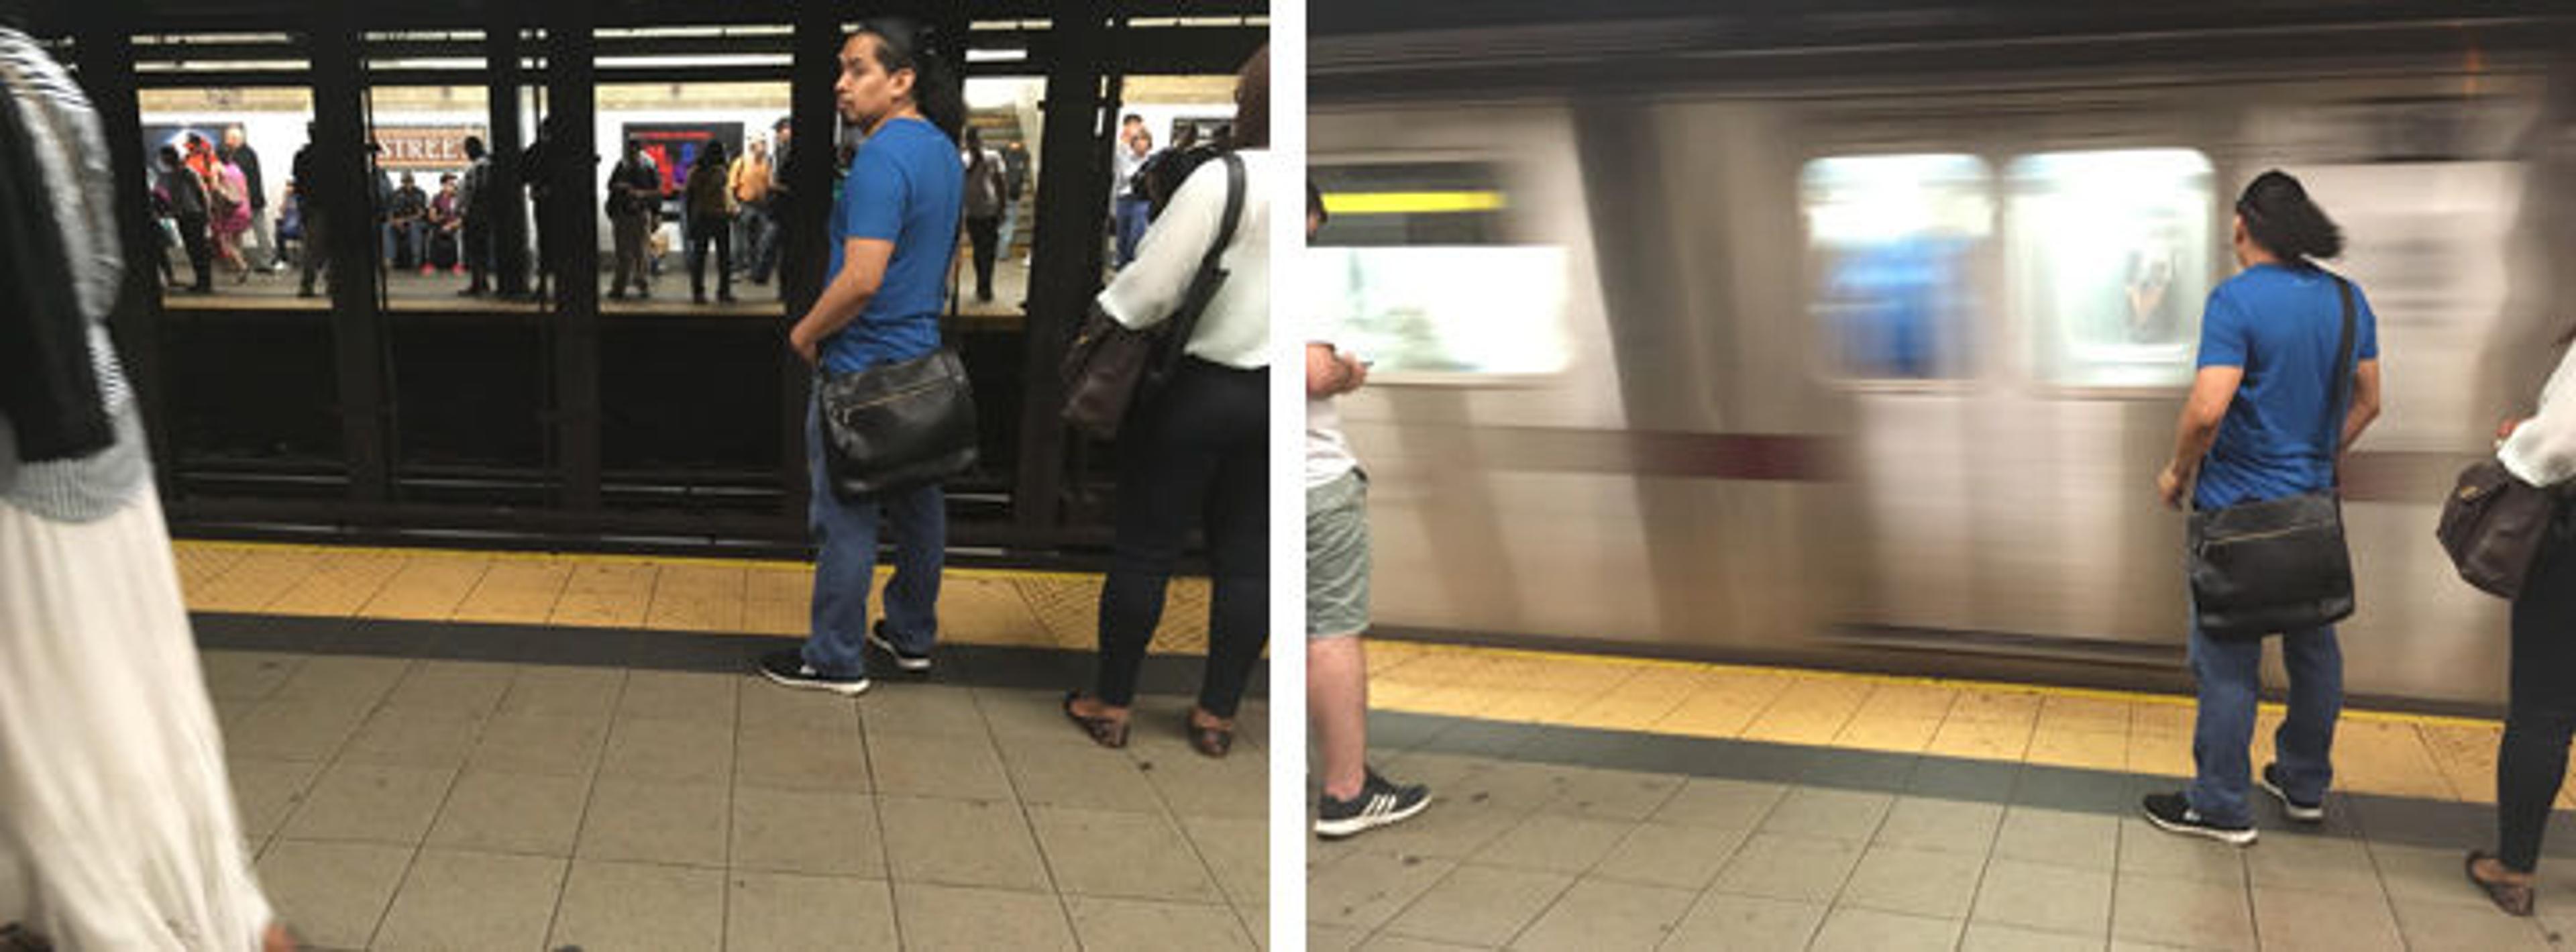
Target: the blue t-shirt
pixel 2281 325
pixel 904 186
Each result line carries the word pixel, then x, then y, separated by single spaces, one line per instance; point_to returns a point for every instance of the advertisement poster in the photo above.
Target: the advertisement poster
pixel 674 146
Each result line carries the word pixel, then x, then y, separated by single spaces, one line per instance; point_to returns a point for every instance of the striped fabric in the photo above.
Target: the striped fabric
pixel 73 158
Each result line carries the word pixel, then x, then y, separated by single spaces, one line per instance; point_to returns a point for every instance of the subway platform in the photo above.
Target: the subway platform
pixel 461 750
pixel 1597 803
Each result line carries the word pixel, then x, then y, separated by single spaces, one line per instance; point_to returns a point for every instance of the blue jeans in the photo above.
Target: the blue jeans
pixel 1131 228
pixel 412 235
pixel 2230 675
pixel 846 533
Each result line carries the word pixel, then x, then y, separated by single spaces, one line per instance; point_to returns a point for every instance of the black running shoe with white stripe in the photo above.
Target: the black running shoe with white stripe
pixel 2173 813
pixel 789 668
pixel 1379 803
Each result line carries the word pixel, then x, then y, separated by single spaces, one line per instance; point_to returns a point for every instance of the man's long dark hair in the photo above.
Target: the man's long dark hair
pixel 902 44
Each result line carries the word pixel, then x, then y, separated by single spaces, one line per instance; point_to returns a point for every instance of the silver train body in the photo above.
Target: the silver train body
pixel 1701 385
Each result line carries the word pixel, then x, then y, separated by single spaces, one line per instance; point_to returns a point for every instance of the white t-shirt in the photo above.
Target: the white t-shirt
pixel 2542 450
pixel 1235 328
pixel 1328 452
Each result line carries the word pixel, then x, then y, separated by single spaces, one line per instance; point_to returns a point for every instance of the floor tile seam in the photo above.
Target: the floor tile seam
pixel 733 788
pixel 590 790
pixel 885 852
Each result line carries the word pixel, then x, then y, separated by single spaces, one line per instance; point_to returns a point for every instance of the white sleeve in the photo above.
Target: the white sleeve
pixel 2542 450
pixel 1148 289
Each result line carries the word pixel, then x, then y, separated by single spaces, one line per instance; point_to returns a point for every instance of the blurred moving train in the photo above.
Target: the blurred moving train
pixel 1869 357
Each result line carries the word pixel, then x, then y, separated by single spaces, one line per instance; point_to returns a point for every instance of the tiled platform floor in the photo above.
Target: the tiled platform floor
pixel 401 798
pixel 1550 837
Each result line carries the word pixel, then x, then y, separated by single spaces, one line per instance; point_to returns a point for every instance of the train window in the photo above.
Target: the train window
pixel 2109 261
pixel 1894 240
pixel 1420 276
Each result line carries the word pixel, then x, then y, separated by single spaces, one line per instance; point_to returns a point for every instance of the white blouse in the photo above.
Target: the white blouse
pixel 2542 450
pixel 1235 329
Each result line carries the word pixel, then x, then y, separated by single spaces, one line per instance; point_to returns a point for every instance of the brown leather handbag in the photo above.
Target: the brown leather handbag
pixel 2492 526
pixel 1110 367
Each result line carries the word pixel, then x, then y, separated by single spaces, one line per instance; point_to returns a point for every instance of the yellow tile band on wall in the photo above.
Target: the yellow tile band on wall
pixel 1412 203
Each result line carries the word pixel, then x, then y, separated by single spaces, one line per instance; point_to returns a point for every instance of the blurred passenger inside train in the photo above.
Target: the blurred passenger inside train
pixel 894 235
pixel 114 800
pixel 1355 799
pixel 476 206
pixel 1193 455
pixel 2540 718
pixel 2262 424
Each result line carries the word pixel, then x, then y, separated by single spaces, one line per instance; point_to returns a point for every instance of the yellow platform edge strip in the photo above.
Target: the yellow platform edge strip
pixel 1960 684
pixel 1411 203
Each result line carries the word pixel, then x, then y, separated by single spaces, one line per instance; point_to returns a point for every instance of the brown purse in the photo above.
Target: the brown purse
pixel 2492 525
pixel 1108 367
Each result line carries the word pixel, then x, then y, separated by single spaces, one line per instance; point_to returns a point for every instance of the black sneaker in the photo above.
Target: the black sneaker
pixel 2172 813
pixel 789 668
pixel 2302 812
pixel 915 663
pixel 1379 803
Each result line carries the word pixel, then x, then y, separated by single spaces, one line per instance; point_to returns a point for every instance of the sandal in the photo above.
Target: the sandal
pixel 1105 731
pixel 1208 741
pixel 2513 898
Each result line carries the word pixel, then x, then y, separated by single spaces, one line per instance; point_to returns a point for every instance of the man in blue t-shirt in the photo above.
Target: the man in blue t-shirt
pixel 2270 412
pixel 2275 439
pixel 894 233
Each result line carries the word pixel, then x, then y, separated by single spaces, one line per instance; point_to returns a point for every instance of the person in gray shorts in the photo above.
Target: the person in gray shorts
pixel 1355 798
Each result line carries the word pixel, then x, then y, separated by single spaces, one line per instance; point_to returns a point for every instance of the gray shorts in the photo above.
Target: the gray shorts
pixel 1337 557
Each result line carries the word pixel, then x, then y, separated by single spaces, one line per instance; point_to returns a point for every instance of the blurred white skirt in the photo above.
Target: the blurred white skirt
pixel 113 800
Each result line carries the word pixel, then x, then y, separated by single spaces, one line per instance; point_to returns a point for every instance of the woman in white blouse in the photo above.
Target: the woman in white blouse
pixel 1194 455
pixel 2541 715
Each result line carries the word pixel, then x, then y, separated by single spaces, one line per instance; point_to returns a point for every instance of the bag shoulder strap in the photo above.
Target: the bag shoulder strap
pixel 2339 383
pixel 1186 322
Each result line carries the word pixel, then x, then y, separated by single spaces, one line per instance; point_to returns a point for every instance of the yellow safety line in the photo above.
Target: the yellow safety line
pixel 1411 203
pixel 595 558
pixel 1964 684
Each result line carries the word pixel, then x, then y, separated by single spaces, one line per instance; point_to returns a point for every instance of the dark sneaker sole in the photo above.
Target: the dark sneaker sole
pixel 1337 829
pixel 2244 837
pixel 842 688
pixel 2314 814
pixel 901 660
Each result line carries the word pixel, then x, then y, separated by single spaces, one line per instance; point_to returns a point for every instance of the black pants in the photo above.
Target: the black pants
pixel 1194 457
pixel 478 250
pixel 2541 717
pixel 986 233
pixel 201 252
pixel 704 229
